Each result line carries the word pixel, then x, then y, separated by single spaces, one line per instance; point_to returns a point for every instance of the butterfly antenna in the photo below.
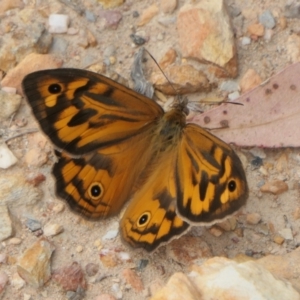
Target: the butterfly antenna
pixel 170 83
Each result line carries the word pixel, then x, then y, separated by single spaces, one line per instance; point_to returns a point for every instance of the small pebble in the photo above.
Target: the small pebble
pixel 133 279
pixel 137 40
pixel 268 34
pixel 142 264
pixel 233 96
pixel 53 229
pixel 91 269
pixel 263 171
pixel 258 152
pixel 117 290
pixel 15 241
pixel 245 41
pixel 256 162
pixel 79 249
pixel 286 233
pixel 296 213
pixel 58 23
pixel 253 218
pixel 215 231
pixel 275 187
pixel 7 158
pixel 278 239
pixel 110 235
pixel 229 86
pixel 267 19
pixel 58 207
pixel 124 256
pixel 90 16
pixel 256 29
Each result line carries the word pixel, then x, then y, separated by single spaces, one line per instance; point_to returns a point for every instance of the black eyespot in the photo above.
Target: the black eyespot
pixel 143 219
pixel 231 185
pixel 54 88
pixel 95 190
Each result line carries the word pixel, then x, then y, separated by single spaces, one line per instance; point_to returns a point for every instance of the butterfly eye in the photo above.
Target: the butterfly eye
pixel 231 185
pixel 54 88
pixel 95 190
pixel 143 219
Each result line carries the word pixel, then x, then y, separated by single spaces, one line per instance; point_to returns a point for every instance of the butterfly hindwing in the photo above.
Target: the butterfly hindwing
pixel 98 184
pixel 211 182
pixel 150 218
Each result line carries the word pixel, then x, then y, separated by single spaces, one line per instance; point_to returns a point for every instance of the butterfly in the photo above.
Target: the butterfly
pixel 114 145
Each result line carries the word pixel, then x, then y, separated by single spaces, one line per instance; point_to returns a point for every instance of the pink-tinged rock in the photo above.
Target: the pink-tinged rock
pixel 70 277
pixel 188 249
pixel 133 279
pixel 112 18
pixel 34 265
pixel 32 62
pixel 205 34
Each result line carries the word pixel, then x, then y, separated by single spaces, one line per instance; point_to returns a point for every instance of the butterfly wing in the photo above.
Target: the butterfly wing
pixel 98 184
pixel 81 111
pixel 150 218
pixel 103 129
pixel 210 180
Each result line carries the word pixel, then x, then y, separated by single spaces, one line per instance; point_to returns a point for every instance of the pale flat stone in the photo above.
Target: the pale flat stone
pixel 221 278
pixel 5 223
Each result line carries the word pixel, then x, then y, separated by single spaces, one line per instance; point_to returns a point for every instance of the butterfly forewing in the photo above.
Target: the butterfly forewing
pixel 81 111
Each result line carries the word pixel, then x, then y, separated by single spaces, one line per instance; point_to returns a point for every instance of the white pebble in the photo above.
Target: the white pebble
pixel 52 229
pixel 111 234
pixel 7 158
pixel 233 96
pixel 246 41
pixel 58 23
pixel 124 256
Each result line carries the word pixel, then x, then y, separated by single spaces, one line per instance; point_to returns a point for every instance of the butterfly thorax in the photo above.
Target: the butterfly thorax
pixel 170 129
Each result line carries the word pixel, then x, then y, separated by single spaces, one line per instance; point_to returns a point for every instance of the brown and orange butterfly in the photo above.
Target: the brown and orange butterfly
pixel 115 145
